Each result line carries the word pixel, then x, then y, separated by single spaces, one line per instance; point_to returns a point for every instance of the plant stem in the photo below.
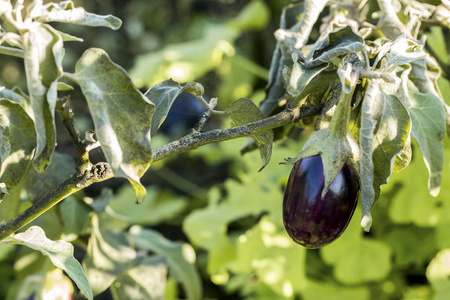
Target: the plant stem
pixel 197 139
pixel 62 106
pixel 101 171
pixel 12 51
pixel 74 183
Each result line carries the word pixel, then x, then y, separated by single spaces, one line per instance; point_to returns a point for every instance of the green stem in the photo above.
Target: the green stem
pixel 197 139
pixel 74 183
pixel 12 51
pixel 102 171
pixel 59 193
pixel 341 118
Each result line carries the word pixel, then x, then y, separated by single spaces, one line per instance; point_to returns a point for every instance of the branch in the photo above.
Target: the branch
pixel 62 106
pixel 102 171
pixel 197 139
pixel 74 183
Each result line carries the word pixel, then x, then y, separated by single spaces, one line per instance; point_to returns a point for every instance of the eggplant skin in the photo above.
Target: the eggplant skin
pixel 309 219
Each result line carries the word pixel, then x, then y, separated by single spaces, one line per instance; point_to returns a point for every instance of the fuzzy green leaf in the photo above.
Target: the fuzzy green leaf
pixel 298 78
pixel 337 43
pixel 122 116
pixel 147 281
pixel 244 111
pixel 66 12
pixel 385 128
pixel 44 51
pixel 60 253
pixel 428 128
pixel 22 141
pixel 164 94
pixel 180 258
pixel 108 255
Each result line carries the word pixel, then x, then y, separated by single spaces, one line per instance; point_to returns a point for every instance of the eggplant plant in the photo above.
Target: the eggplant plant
pixel 359 72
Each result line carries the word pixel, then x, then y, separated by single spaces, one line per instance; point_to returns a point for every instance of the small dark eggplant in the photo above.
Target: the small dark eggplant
pixel 310 219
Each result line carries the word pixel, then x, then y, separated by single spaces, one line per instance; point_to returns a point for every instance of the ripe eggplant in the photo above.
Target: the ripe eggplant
pixel 310 219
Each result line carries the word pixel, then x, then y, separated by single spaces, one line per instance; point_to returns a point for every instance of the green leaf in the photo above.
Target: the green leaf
pixel 268 252
pixel 356 259
pixel 404 51
pixel 319 290
pixel 438 273
pixel 157 207
pixel 64 87
pixel 255 15
pixel 60 253
pixel 108 255
pixel 385 128
pixel 66 12
pixel 244 111
pixel 300 78
pixel 44 51
pixel 337 43
pixel 412 202
pixel 22 142
pixel 146 281
pixel 164 94
pixel 75 216
pixel 411 245
pixel 180 258
pixel 428 128
pixel 37 185
pixel 185 61
pixel 121 114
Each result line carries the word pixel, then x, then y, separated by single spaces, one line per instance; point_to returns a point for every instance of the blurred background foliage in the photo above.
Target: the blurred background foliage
pixel 211 225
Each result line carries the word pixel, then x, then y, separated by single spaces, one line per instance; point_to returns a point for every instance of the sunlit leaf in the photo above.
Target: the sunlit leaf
pixel 43 48
pixel 66 12
pixel 428 128
pixel 253 16
pixel 267 251
pixel 122 116
pixel 108 255
pixel 412 202
pixel 60 253
pixel 146 281
pixel 385 128
pixel 319 290
pixel 156 208
pixel 21 140
pixel 438 273
pixel 298 78
pixel 180 258
pixel 370 259
pixel 244 111
pixel 404 51
pixel 185 61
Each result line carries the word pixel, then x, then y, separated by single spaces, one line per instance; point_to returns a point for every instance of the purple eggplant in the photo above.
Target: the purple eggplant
pixel 310 219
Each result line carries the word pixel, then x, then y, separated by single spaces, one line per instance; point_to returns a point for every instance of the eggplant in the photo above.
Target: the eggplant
pixel 310 219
